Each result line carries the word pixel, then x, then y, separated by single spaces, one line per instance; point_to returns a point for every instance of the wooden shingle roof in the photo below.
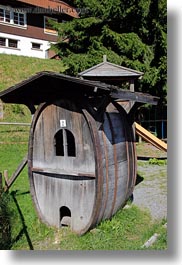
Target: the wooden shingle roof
pixel 48 86
pixel 107 70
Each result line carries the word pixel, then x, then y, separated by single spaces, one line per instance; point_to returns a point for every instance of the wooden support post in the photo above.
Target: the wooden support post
pixel 132 89
pixel 151 241
pixel 6 177
pixel 132 85
pixel 16 173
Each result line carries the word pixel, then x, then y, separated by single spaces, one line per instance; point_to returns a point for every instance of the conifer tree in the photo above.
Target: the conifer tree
pixel 132 33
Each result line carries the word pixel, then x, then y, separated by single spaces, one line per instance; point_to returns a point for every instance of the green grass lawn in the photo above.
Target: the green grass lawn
pixel 129 229
pixel 14 69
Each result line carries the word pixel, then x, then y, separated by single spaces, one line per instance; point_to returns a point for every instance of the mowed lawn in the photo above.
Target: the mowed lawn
pixel 14 69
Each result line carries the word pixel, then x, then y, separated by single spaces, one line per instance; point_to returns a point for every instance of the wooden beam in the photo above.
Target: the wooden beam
pixel 134 96
pixel 63 172
pixel 149 137
pixel 6 177
pixel 19 169
pixel 132 85
pixel 15 123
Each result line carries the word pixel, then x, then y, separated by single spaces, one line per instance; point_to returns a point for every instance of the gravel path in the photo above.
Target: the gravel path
pixel 151 193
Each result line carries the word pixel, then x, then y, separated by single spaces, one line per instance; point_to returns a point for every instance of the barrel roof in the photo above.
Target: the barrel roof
pixel 47 86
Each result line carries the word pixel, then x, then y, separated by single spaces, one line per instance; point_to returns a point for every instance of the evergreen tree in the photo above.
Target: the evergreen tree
pixel 132 33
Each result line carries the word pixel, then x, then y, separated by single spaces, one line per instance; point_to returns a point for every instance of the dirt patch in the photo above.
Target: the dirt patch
pixel 147 150
pixel 151 193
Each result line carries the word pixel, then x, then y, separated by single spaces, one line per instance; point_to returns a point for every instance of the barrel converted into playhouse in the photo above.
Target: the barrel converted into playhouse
pixel 81 154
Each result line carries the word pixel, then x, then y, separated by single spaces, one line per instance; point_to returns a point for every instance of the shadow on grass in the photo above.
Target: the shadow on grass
pixel 5 227
pixel 6 219
pixel 139 179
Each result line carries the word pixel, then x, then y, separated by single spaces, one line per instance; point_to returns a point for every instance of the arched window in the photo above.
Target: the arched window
pixel 58 142
pixel 71 149
pixel 64 143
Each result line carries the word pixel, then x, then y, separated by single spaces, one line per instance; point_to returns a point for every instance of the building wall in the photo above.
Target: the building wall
pixel 34 28
pixel 33 31
pixel 24 46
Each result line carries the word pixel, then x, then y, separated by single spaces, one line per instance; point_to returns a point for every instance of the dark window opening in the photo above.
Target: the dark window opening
pixel 12 43
pixel 1 14
pixel 36 46
pixel 70 144
pixel 64 142
pixel 59 147
pixel 7 16
pixel 65 216
pixel 19 18
pixel 2 42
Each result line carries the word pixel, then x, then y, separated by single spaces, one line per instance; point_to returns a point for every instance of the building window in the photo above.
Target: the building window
pixel 48 28
pixel 12 43
pixel 8 43
pixel 2 42
pixel 12 18
pixel 1 15
pixel 64 143
pixel 19 19
pixel 5 15
pixel 36 46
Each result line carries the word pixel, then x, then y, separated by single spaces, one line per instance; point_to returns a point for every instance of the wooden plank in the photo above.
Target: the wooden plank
pixel 149 137
pixel 63 172
pixel 16 173
pixel 134 96
pixel 6 177
pixel 48 125
pixel 15 123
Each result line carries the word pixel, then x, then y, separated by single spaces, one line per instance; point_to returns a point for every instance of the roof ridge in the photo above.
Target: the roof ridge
pixel 111 64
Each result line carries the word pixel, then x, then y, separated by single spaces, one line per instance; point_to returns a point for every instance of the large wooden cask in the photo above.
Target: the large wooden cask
pixel 82 167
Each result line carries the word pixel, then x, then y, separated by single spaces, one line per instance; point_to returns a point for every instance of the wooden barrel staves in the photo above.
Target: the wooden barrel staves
pixel 82 166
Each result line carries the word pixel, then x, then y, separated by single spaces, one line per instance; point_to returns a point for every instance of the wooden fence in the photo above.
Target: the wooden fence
pixel 15 123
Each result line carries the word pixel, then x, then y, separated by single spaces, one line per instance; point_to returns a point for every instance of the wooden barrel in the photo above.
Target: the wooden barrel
pixel 82 168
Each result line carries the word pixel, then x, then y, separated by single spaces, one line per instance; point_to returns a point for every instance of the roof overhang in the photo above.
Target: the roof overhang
pixel 51 6
pixel 49 86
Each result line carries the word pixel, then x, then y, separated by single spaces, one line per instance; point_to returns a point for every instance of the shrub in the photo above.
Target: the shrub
pixel 159 162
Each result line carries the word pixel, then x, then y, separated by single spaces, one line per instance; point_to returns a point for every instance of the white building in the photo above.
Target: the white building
pixel 25 26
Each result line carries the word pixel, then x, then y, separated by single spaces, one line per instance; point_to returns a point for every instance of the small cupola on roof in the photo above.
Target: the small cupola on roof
pixel 111 73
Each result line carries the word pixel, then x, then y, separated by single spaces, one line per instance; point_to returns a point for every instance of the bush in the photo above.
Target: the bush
pixel 159 162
